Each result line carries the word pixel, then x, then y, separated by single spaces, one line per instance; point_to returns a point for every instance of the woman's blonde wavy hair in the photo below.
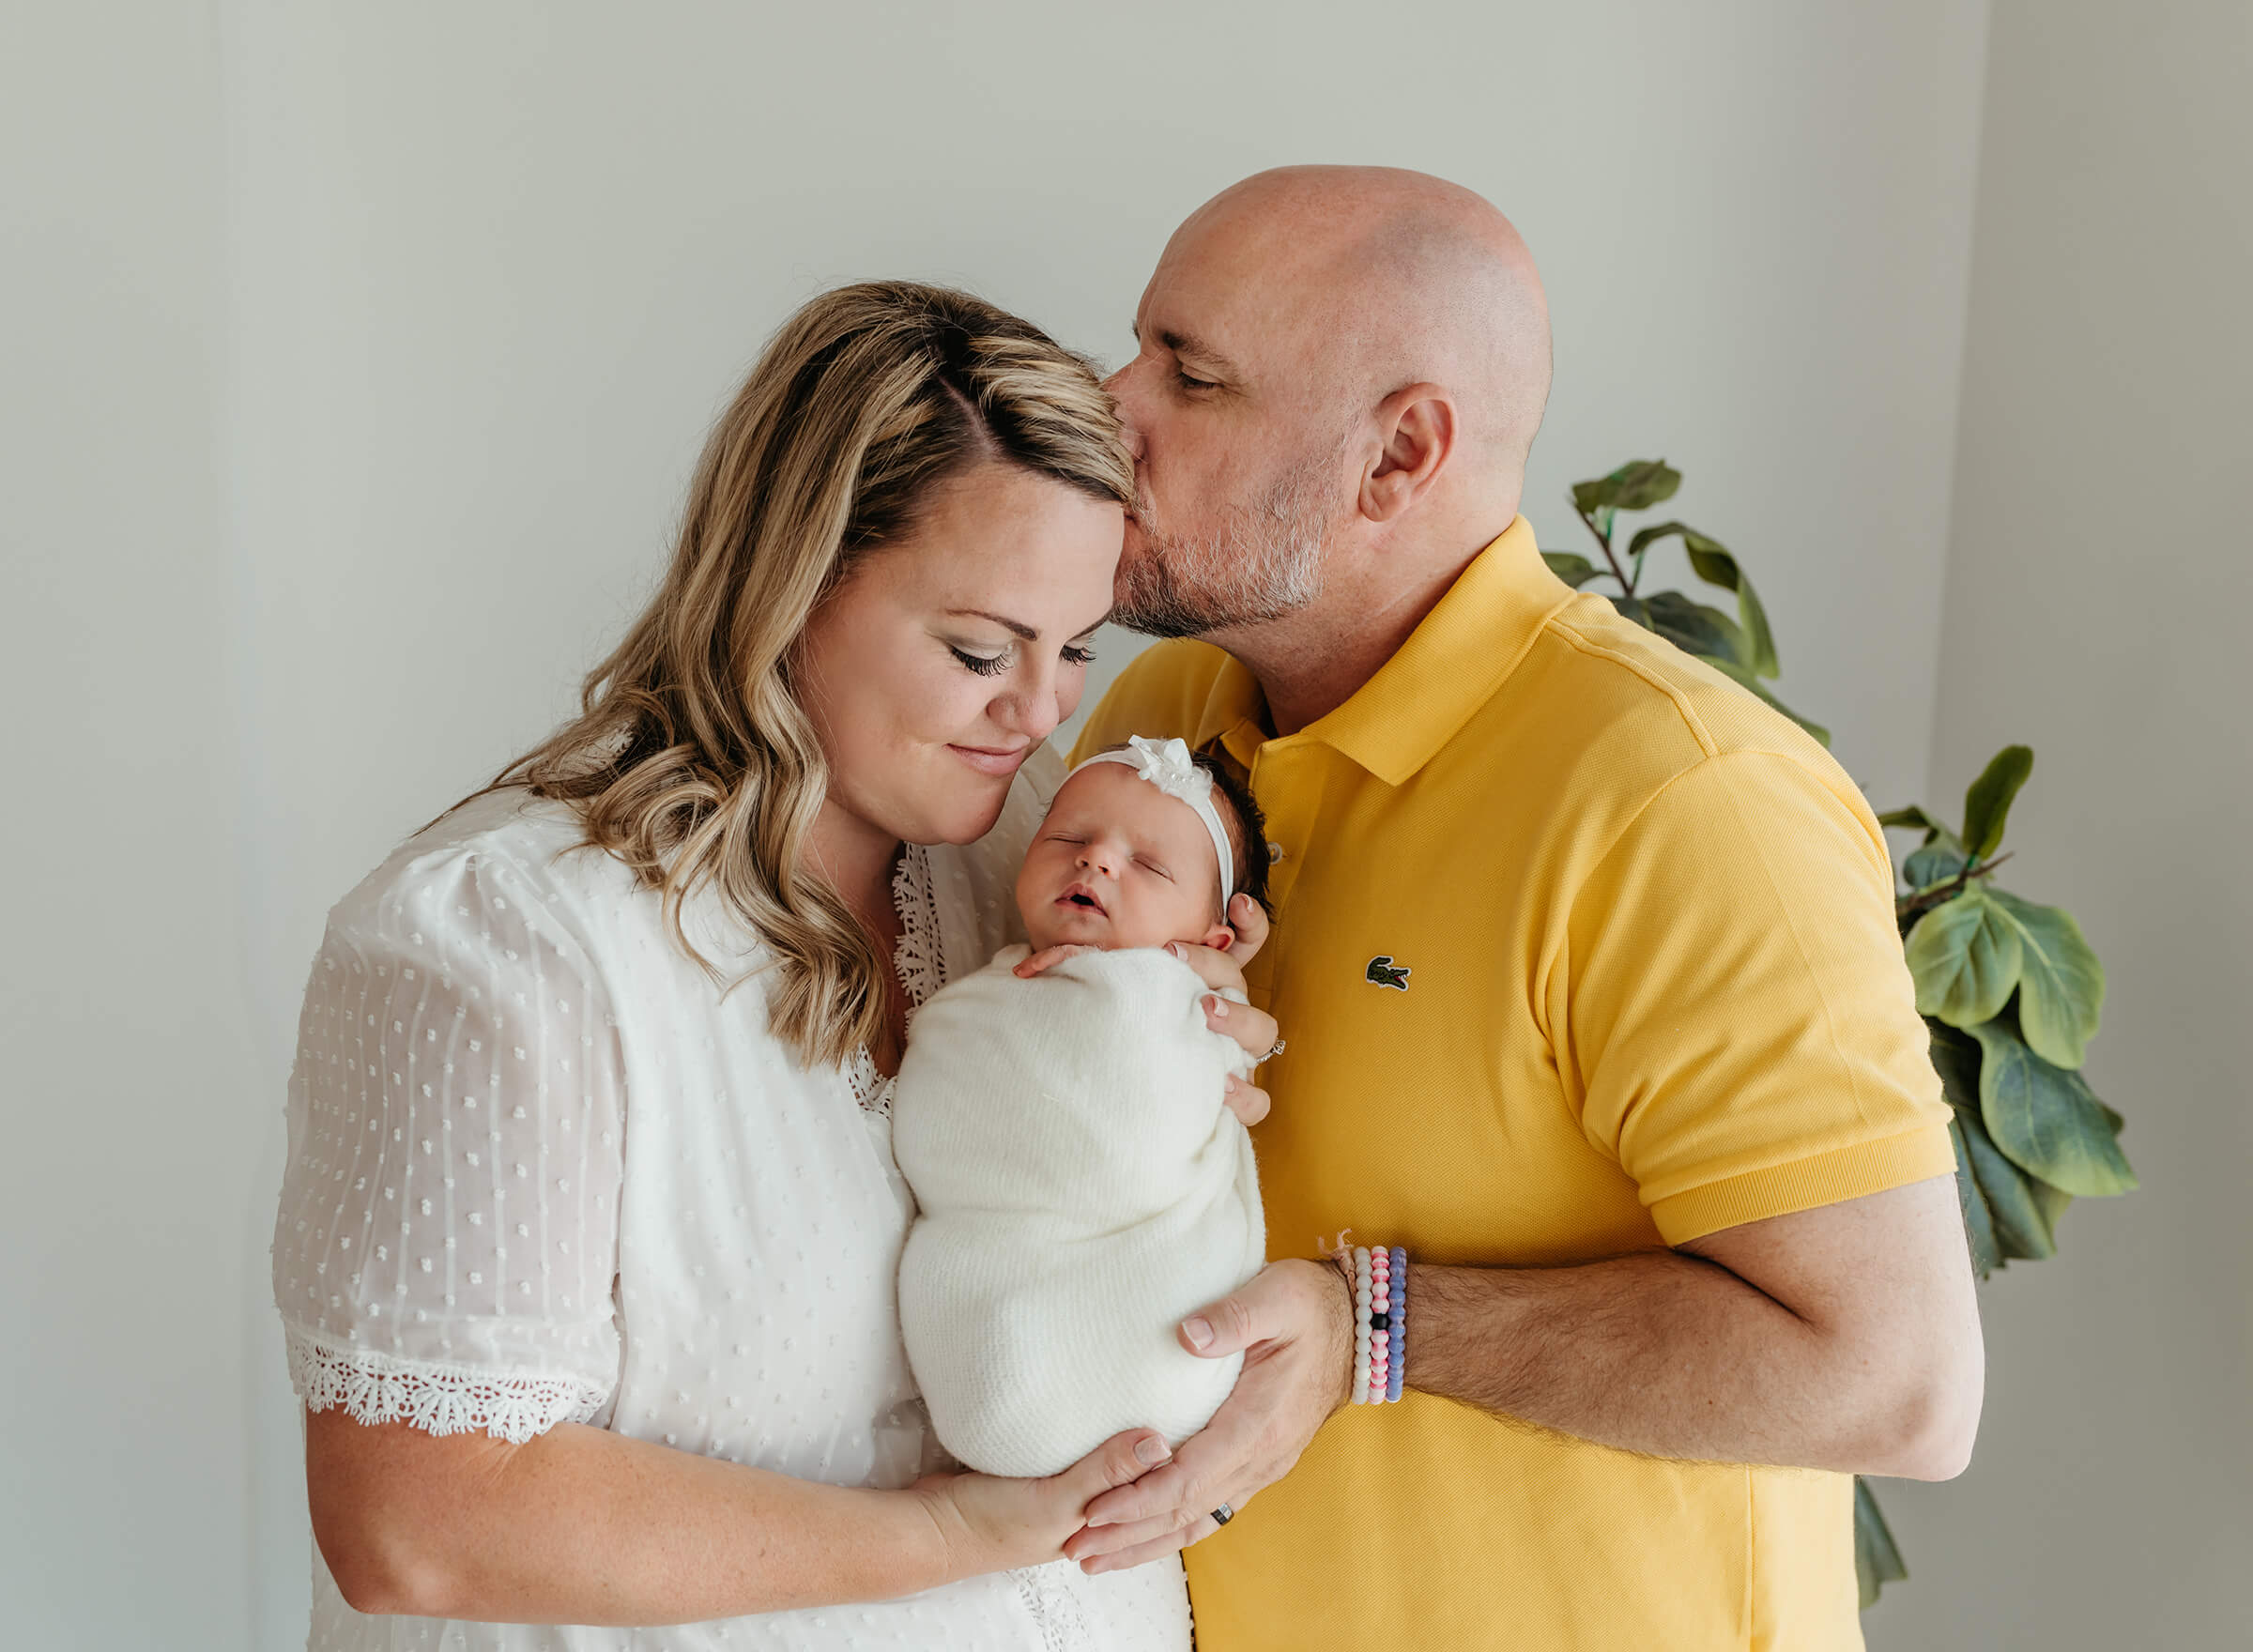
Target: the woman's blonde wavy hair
pixel 691 759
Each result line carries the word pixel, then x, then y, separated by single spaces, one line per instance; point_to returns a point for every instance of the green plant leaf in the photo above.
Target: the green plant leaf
pixel 1987 804
pixel 1635 608
pixel 1877 1557
pixel 2062 993
pixel 1979 1222
pixel 2021 1220
pixel 1697 629
pixel 2052 1200
pixel 1914 818
pixel 1743 679
pixel 2045 1118
pixel 1636 485
pixel 1965 954
pixel 1935 864
pixel 1648 537
pixel 1575 570
pixel 1711 561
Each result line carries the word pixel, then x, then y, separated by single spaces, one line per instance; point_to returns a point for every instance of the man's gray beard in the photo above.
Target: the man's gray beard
pixel 1262 562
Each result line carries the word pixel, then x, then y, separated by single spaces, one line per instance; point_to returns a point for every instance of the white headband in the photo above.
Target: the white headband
pixel 1168 766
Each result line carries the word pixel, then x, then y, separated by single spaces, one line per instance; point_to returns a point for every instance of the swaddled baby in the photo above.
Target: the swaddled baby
pixel 1083 1185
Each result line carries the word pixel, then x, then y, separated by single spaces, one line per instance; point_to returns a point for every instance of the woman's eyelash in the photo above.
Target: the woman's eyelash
pixel 993 666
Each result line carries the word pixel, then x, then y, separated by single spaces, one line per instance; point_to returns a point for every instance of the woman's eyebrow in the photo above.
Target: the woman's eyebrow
pixel 1015 627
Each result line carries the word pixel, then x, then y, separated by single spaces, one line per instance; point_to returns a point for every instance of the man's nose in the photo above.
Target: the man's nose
pixel 1123 394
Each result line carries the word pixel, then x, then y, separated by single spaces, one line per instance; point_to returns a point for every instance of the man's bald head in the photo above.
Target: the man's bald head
pixel 1378 278
pixel 1340 366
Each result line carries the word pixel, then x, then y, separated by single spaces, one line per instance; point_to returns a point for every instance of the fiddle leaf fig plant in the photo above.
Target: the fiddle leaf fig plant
pixel 2010 990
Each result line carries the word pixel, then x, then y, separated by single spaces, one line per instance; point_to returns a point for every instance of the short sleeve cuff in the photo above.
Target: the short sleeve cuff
pixel 436 1398
pixel 1806 1184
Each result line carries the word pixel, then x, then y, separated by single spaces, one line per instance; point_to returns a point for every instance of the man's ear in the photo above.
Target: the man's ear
pixel 1220 938
pixel 1420 428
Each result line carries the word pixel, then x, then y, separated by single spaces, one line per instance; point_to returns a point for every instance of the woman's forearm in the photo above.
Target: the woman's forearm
pixel 585 1526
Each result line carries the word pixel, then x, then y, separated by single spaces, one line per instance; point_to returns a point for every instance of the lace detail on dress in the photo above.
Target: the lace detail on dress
pixel 917 960
pixel 1053 1607
pixel 372 1387
pixel 921 966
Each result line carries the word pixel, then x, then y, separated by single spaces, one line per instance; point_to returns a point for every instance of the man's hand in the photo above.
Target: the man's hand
pixel 1294 1323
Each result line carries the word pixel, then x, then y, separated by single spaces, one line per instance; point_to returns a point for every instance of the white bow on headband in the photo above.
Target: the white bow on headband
pixel 1167 765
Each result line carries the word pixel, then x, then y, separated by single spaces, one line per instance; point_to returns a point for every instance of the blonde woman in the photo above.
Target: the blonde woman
pixel 587 1243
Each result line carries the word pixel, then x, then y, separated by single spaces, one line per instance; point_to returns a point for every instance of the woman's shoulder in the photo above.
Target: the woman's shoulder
pixel 503 855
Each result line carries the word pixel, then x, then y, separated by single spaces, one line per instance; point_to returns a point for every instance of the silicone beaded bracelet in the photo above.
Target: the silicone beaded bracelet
pixel 1398 1326
pixel 1361 1329
pixel 1380 1323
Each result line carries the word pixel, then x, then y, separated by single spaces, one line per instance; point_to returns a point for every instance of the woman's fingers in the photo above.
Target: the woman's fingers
pixel 1252 1027
pixel 1249 919
pixel 1216 970
pixel 1248 1102
pixel 1120 1460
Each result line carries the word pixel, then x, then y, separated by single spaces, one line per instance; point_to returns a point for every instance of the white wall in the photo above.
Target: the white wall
pixel 2096 602
pixel 488 270
pixel 128 1177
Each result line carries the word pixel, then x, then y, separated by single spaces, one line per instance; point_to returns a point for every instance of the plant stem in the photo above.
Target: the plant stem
pixel 1627 586
pixel 1950 890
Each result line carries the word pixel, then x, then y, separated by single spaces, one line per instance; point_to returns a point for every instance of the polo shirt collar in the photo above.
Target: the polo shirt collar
pixel 1463 649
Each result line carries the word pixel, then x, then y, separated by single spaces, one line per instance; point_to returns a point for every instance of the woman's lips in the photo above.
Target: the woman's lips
pixel 993 760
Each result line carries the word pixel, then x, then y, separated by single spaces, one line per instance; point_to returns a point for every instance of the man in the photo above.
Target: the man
pixel 1640 1086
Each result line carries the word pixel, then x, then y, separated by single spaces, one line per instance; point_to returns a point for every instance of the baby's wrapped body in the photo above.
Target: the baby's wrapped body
pixel 1082 1189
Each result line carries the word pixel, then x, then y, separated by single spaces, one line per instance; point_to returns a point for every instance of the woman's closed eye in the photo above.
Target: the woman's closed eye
pixel 983 665
pixel 995 664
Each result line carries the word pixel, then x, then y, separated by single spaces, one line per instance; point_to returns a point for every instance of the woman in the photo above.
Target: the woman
pixel 587 1243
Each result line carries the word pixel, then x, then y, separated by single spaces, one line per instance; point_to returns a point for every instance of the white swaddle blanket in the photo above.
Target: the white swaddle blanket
pixel 1082 1189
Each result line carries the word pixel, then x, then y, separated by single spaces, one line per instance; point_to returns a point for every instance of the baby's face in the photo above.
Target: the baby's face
pixel 1119 864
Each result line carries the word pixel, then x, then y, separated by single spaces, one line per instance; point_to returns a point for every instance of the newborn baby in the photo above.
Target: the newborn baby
pixel 1083 1185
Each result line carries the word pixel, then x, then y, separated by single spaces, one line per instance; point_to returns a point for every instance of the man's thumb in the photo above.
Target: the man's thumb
pixel 1224 1327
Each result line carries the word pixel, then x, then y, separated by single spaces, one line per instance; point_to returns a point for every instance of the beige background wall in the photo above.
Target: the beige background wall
pixel 357 357
pixel 2096 597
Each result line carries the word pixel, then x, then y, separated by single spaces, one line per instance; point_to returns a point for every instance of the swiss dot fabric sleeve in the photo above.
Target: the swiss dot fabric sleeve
pixel 447 1238
pixel 1742 1029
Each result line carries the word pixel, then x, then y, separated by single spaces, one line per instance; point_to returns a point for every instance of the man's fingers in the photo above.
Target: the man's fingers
pixel 1229 1325
pixel 1157 1549
pixel 1091 1542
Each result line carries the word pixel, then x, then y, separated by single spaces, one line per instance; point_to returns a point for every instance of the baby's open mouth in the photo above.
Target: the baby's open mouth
pixel 1079 894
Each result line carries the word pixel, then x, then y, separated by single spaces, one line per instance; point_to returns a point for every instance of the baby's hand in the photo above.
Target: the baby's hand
pixel 1048 958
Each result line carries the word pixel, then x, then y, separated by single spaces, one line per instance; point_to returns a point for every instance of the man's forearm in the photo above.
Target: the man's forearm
pixel 1674 1355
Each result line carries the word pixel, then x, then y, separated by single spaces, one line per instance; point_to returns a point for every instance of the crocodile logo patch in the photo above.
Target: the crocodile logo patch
pixel 1382 972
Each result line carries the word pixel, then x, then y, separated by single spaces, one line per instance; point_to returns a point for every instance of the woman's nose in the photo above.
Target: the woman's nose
pixel 1033 713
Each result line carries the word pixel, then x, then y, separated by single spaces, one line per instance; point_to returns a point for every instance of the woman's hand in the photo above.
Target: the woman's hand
pixel 988 1523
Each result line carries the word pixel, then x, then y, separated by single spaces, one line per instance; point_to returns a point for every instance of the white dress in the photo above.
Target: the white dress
pixel 542 1167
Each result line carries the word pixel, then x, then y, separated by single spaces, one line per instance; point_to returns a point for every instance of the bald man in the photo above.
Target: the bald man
pixel 1593 997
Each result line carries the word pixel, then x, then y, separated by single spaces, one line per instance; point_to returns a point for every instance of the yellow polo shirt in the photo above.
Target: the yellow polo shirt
pixel 1643 984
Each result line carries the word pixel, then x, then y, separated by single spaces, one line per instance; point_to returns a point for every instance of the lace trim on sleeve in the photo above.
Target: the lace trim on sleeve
pixel 371 1388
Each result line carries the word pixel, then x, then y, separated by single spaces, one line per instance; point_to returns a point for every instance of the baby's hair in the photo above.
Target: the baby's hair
pixel 1251 829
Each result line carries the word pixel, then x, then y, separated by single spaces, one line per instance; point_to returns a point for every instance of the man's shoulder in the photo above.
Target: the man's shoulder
pixel 1162 691
pixel 1609 684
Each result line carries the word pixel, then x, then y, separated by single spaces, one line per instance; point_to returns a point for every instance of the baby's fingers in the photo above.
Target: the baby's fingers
pixel 1045 958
